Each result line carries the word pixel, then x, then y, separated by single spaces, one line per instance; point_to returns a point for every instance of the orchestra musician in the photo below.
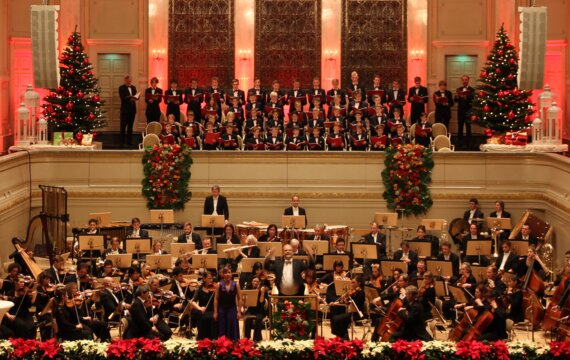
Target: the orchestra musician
pixel 270 234
pixel 44 304
pixel 92 227
pixel 409 257
pixel 376 237
pixel 472 235
pixel 81 278
pixel 413 315
pixel 14 270
pixel 426 294
pixel 422 235
pixel 507 261
pixel 467 282
pixel 255 315
pixel 514 294
pixel 216 204
pixel 493 281
pixel 203 308
pixel 112 300
pixel 501 214
pixel 526 235
pixel 534 261
pixel 144 321
pixel 66 313
pixel 157 248
pixel 447 255
pixel 252 251
pixel 295 209
pixel 180 289
pixel 115 247
pixel 135 231
pixel 18 322
pixel 189 236
pixel 497 329
pixel 227 305
pixel 354 298
pixel 57 270
pixel 473 212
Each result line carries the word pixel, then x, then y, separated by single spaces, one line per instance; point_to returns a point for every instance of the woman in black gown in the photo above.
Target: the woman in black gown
pixel 203 308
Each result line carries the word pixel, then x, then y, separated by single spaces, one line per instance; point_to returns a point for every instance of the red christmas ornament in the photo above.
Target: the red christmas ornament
pixel 77 48
pixel 84 78
pixel 70 39
pixel 512 61
pixel 69 93
pixel 96 98
pixel 79 136
pixel 473 118
pixel 86 61
pixel 68 119
pixel 500 52
pixel 498 70
pixel 488 132
pixel 511 76
pixel 59 90
pixel 500 94
pixel 91 116
pixel 69 106
pixel 71 72
pixel 80 95
pixel 486 108
pixel 516 92
pixel 511 115
pixel 483 74
pixel 481 94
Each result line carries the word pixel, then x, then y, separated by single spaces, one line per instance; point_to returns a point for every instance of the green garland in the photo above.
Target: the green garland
pixel 406 177
pixel 166 176
pixel 293 320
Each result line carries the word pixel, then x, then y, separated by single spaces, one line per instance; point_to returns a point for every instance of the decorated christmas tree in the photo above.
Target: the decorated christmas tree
pixel 499 104
pixel 75 105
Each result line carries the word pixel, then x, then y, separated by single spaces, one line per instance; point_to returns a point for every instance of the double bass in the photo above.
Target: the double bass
pixel 533 285
pixel 553 311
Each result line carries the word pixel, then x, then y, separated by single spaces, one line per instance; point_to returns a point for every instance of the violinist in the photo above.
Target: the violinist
pixel 160 302
pixel 447 255
pixel 256 271
pixel 77 309
pixel 81 278
pixel 413 315
pixel 57 271
pixel 270 235
pixel 70 328
pixel 19 321
pixel 135 280
pixel 420 272
pixel 337 274
pixel 426 294
pixel 203 308
pixel 467 282
pixel 114 249
pixel 354 298
pixel 515 309
pixel 376 278
pixel 108 270
pixel 143 319
pixel 181 289
pixel 394 291
pixel 112 300
pixel 44 294
pixel 14 270
pixel 255 315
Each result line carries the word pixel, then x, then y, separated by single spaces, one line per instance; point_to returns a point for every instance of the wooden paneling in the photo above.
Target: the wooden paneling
pixel 201 41
pixel 453 22
pixel 374 40
pixel 288 41
pixel 112 19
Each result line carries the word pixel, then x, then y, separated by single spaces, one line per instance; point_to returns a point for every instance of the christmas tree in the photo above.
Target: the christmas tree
pixel 75 105
pixel 499 104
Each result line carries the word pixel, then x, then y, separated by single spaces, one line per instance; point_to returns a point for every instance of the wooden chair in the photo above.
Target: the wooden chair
pixel 439 129
pixel 150 140
pixel 442 143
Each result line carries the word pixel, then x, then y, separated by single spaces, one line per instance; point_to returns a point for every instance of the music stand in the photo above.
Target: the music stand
pixel 478 248
pixel 163 216
pixel 293 222
pixel 499 223
pixel 519 247
pixel 121 261
pixel 388 266
pixel 90 243
pixel 160 262
pixel 213 221
pixel 422 248
pixel 364 251
pixel 265 246
pixel 247 264
pixel 179 249
pixel 479 272
pixel 103 218
pixel 388 221
pixel 440 267
pixel 341 286
pixel 433 224
pixel 440 288
pixel 458 294
pixel 329 259
pixel 206 261
pixel 318 247
pixel 249 298
pixel 138 246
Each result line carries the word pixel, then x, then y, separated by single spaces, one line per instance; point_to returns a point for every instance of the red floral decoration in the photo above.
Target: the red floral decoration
pixel 337 348
pixel 472 349
pixel 560 349
pixel 409 349
pixel 24 349
pixel 131 349
pixel 294 320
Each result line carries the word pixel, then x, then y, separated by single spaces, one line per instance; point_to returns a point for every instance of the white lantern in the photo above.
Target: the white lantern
pixel 42 131
pixel 537 130
pixel 553 119
pixel 32 100
pixel 23 115
pixel 545 100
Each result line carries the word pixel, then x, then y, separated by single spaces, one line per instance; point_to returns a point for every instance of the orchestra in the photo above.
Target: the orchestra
pixel 473 299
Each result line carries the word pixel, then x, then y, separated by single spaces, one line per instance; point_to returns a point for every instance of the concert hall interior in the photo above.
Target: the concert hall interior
pixel 485 203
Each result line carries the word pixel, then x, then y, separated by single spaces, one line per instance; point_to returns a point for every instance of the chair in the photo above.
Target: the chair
pixel 123 326
pixel 431 117
pixel 150 140
pixel 413 133
pixel 199 143
pixel 162 117
pixel 439 129
pixel 240 142
pixel 442 142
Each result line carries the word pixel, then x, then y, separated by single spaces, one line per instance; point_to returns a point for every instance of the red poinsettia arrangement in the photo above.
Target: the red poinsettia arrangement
pixel 560 349
pixel 226 349
pixel 406 177
pixel 293 320
pixel 131 349
pixel 337 348
pixel 408 349
pixel 33 348
pixel 472 349
pixel 166 176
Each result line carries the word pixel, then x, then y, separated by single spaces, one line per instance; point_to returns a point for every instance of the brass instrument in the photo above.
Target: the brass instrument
pixel 543 232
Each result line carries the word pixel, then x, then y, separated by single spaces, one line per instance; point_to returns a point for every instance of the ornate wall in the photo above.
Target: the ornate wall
pixel 373 36
pixel 287 41
pixel 201 41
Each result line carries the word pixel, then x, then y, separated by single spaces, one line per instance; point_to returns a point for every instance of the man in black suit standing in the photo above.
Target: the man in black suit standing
pixel 409 257
pixel 506 261
pixel 464 96
pixel 259 92
pixel 396 98
pixel 127 93
pixel 418 97
pixel 136 231
pixel 376 237
pixel 288 272
pixel 473 212
pixel 190 236
pixel 194 96
pixel 235 92
pixel 295 210
pixel 296 92
pixel 216 204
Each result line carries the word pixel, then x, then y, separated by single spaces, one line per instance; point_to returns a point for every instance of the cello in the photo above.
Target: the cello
pixel 533 285
pixel 553 312
pixel 392 322
pixel 483 322
pixel 463 326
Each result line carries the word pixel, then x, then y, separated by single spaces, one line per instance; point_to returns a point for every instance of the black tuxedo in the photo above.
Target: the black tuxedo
pixel 417 107
pixel 320 92
pixel 55 277
pixel 396 100
pixel 110 303
pixel 412 255
pixel 478 214
pixel 152 107
pixel 442 111
pixel 143 234
pixel 504 215
pixel 108 251
pixel 354 87
pixel 221 208
pixel 195 105
pixel 211 90
pixel 510 264
pixel 140 325
pixel 320 141
pixel 414 324
pixel 532 240
pixel 354 137
pixel 128 112
pixel 289 211
pixel 261 92
pixel 339 92
pixel 454 262
pixel 277 266
pixel 236 93
pixel 423 140
pixel 196 239
pixel 300 93
pixel 463 109
pixel 380 240
pixel 172 107
pixel 371 98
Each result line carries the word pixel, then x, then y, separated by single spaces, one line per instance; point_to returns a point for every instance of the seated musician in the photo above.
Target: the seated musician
pixel 395 288
pixel 14 270
pixel 274 141
pixel 134 279
pixel 270 235
pixel 421 235
pixel 252 251
pixel 493 281
pixel 497 329
pixel 203 305
pixel 113 300
pixel 190 237
pixel 254 315
pixel 426 294
pixel 229 138
pixel 420 272
pixel 245 278
pixel 340 249
pixel 57 270
pixel 144 321
pixel 447 255
pixel 472 235
pixel 135 231
pixel 107 269
pixel 532 260
pixel 69 323
pixel 354 297
pixel 467 281
pixel 501 214
pixel 157 248
pixel 229 236
pixel 184 263
pixel 81 278
pixel 514 294
pixel 93 227
pixel 473 212
pixel 408 256
pixel 507 260
pixel 181 289
pixel 423 131
pixel 413 315
pixel 376 237
pixel 44 304
pixel 296 140
pixel 80 306
pixel 115 248
pixel 526 235
pixel 18 321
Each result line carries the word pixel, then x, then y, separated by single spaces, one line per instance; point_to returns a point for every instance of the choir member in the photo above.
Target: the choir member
pixel 464 96
pixel 359 139
pixel 173 99
pixel 190 138
pixel 214 89
pixel 316 141
pixel 396 97
pixel 354 85
pixel 423 131
pixel 128 95
pixel 259 92
pixel 295 141
pixel 152 99
pixel 209 138
pixel 336 91
pixel 254 139
pixel 235 92
pixel 443 100
pixel 336 145
pixel 316 92
pixel 296 93
pixel 194 96
pixel 418 97
pixel 229 140
pixel 377 86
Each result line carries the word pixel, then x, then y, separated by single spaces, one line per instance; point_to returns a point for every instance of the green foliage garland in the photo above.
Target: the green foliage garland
pixel 406 179
pixel 166 176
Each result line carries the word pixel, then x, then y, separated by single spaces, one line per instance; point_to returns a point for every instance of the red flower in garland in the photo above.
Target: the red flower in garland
pixel 22 347
pixel 500 350
pixel 560 349
pixel 50 348
pixel 472 349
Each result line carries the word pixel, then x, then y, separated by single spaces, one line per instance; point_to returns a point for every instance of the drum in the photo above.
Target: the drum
pixel 336 231
pixel 306 234
pixel 244 230
pixel 457 228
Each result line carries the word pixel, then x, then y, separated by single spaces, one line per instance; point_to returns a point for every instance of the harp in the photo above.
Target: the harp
pixel 37 222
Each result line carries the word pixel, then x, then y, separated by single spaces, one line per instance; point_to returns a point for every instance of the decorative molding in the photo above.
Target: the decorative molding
pixel 115 42
pixel 455 43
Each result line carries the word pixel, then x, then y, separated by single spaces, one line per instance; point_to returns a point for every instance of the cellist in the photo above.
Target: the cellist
pixel 412 313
